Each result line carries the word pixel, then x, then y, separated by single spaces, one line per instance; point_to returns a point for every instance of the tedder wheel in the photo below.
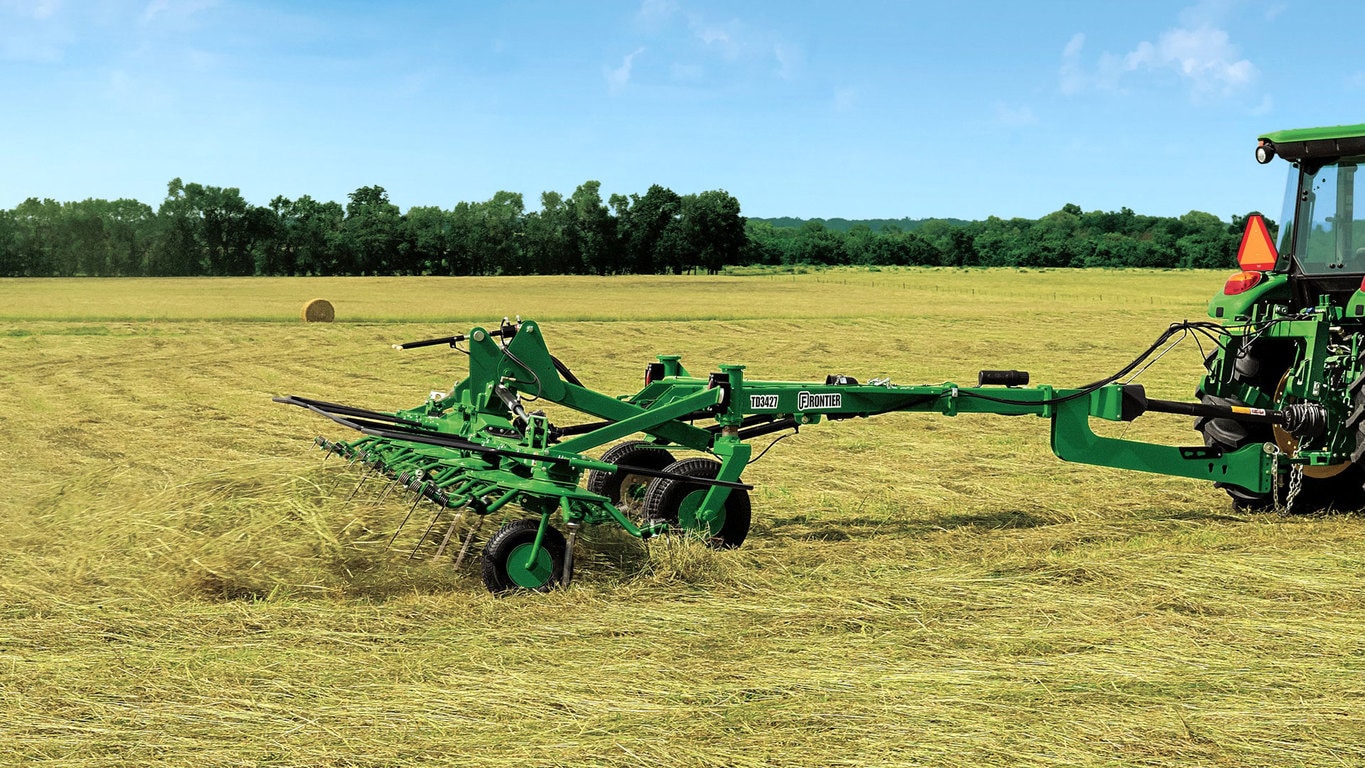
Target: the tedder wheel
pixel 1341 486
pixel 676 501
pixel 506 561
pixel 626 489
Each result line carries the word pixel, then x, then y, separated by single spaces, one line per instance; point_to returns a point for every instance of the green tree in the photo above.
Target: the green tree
pixel 310 236
pixel 266 246
pixel 499 231
pixel 11 265
pixel 131 228
pixel 1002 243
pixel 815 244
pixel 428 234
pixel 1054 240
pixel 593 231
pixel 642 227
pixel 763 243
pixel 41 251
pixel 204 231
pixel 1205 242
pixel 372 235
pixel 961 250
pixel 549 246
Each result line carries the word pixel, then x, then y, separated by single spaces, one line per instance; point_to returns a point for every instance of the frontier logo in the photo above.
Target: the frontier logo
pixel 806 401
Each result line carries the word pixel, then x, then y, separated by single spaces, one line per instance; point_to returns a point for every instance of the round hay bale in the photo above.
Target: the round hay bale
pixel 318 311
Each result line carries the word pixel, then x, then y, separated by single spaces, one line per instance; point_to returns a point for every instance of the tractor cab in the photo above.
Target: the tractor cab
pixel 1321 242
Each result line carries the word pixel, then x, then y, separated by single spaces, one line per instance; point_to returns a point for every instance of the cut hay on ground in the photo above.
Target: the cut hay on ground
pixel 185 584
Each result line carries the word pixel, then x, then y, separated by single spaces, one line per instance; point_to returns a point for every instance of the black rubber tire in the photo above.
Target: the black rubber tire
pixel 502 575
pixel 670 499
pixel 1229 435
pixel 1344 492
pixel 617 485
pixel 1262 367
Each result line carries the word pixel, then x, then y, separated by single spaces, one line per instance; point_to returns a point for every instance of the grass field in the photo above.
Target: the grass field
pixel 182 585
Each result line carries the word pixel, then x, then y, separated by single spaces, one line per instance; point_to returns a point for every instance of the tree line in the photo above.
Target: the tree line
pixel 206 230
pixel 1069 237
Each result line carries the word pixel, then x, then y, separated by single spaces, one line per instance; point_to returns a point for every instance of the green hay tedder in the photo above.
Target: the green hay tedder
pixel 1280 408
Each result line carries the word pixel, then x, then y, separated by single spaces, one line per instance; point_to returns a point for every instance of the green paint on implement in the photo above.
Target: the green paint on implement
pixel 691 516
pixel 530 570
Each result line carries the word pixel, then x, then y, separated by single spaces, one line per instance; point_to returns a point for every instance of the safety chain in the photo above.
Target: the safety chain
pixel 1295 483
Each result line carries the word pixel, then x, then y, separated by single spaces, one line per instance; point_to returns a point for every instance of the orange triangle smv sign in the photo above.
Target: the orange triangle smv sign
pixel 1257 251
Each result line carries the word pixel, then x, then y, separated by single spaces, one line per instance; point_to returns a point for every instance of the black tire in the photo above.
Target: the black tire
pixel 675 500
pixel 1259 365
pixel 504 571
pixel 1262 367
pixel 1344 492
pixel 626 489
pixel 1229 435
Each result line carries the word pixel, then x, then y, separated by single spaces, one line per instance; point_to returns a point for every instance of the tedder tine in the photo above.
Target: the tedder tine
pixel 337 483
pixel 403 524
pixel 354 457
pixel 387 488
pixel 363 478
pixel 464 549
pixel 427 532
pixel 450 531
pixel 567 575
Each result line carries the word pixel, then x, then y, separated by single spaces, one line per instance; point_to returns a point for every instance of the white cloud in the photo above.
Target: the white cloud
pixel 619 77
pixel 1203 56
pixel 683 30
pixel 1200 54
pixel 711 35
pixel 789 60
pixel 655 13
pixel 1073 79
pixel 731 39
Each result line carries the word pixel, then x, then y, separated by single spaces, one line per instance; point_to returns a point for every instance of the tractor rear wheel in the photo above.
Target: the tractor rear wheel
pixel 677 502
pixel 1228 435
pixel 626 489
pixel 1266 368
pixel 507 563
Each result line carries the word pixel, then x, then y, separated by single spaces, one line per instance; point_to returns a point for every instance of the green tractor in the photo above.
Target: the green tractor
pixel 1294 318
pixel 1281 407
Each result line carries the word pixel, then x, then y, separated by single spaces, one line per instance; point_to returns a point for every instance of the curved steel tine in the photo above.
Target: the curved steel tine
pixel 401 525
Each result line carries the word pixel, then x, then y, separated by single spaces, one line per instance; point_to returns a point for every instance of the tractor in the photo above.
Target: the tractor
pixel 1294 318
pixel 1280 407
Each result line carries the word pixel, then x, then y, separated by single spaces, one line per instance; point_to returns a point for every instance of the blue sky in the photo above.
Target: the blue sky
pixel 812 109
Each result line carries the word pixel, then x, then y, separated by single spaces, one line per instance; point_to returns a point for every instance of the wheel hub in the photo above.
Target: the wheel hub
pixel 1289 444
pixel 527 573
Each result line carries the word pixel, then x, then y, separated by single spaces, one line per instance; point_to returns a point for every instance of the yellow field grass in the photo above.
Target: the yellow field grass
pixel 184 583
